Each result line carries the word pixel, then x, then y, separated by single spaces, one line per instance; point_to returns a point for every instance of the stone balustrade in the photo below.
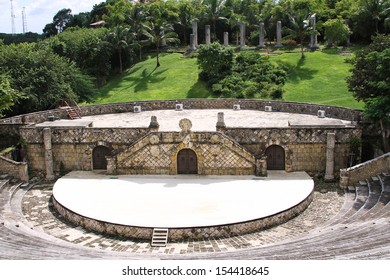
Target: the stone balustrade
pixel 353 175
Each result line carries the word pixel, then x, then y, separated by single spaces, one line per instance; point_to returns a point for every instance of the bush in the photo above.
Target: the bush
pixel 215 61
pixel 253 76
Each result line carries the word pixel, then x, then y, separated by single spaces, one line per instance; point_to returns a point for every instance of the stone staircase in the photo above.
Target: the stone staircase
pixel 160 237
pixel 360 230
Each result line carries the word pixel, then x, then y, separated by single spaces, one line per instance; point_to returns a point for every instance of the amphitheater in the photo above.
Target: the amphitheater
pixel 260 140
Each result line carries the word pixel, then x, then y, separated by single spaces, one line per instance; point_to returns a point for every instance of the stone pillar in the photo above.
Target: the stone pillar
pixel 242 34
pixel 330 144
pixel 261 167
pixel 279 34
pixel 221 122
pixel 261 36
pixel 195 32
pixel 192 42
pixel 313 37
pixel 48 153
pixel 111 165
pixel 208 35
pixel 349 35
pixel 154 125
pixel 226 39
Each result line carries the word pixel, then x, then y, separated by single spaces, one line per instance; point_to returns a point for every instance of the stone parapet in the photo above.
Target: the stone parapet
pixel 365 170
pixel 245 104
pixel 15 169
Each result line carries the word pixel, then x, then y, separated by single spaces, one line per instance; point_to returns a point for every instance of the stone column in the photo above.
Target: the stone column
pixel 195 32
pixel 261 36
pixel 192 42
pixel 279 34
pixel 221 122
pixel 154 125
pixel 313 37
pixel 48 153
pixel 330 144
pixel 242 34
pixel 208 35
pixel 226 39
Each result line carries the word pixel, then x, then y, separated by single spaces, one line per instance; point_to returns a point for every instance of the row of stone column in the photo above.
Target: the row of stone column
pixel 194 36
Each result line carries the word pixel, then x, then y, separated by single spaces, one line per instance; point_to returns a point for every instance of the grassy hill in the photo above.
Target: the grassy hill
pixel 320 78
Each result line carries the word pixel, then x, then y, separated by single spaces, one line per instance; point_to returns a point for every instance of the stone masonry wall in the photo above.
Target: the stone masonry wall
pixel 305 148
pixel 156 153
pixel 365 170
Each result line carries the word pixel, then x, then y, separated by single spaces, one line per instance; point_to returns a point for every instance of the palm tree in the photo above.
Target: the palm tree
pixel 214 12
pixel 119 37
pixel 299 28
pixel 159 32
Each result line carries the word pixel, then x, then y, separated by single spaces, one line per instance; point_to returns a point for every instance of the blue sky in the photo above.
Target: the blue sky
pixel 38 12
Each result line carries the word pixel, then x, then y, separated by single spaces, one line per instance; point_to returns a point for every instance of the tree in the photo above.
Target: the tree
pixel 8 95
pixel 62 18
pixel 43 77
pixel 159 32
pixel 119 38
pixel 370 83
pixel 186 16
pixel 50 30
pixel 214 10
pixel 299 27
pixel 336 31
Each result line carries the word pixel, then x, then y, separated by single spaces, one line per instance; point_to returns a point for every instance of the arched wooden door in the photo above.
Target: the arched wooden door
pixel 187 162
pixel 99 154
pixel 275 158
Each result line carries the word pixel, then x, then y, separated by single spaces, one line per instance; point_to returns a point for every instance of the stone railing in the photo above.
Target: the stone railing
pixel 354 174
pixel 15 169
pixel 244 104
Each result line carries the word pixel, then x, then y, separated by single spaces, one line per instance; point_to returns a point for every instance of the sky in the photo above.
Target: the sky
pixel 38 12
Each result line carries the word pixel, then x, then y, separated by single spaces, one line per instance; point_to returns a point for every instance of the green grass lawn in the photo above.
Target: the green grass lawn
pixel 319 78
pixel 176 78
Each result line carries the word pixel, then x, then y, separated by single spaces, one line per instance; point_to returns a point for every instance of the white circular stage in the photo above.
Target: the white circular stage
pixel 146 201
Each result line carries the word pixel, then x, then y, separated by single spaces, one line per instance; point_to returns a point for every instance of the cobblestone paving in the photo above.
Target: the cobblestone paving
pixel 40 215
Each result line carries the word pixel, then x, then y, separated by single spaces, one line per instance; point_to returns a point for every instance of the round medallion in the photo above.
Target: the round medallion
pixel 185 124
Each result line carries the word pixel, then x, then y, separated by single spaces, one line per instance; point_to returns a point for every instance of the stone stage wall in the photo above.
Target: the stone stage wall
pixel 177 234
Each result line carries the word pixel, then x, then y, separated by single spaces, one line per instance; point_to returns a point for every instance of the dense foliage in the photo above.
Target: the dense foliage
pixel 252 76
pixel 370 82
pixel 42 77
pixel 215 62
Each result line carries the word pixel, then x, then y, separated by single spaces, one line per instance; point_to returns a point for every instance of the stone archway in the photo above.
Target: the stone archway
pixel 187 162
pixel 99 160
pixel 275 157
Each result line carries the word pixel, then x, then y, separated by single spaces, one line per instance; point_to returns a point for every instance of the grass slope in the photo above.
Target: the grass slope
pixel 176 78
pixel 319 78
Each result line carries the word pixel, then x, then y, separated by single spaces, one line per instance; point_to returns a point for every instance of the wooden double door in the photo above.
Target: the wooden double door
pixel 187 162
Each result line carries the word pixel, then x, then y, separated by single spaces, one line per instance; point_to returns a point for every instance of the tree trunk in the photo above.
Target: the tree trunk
pixel 158 61
pixel 120 61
